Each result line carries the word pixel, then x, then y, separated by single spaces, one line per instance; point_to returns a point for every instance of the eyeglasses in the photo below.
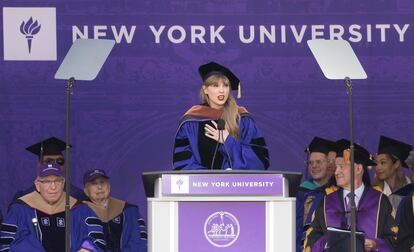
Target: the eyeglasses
pixel 315 162
pixel 331 161
pixel 59 161
pixel 48 183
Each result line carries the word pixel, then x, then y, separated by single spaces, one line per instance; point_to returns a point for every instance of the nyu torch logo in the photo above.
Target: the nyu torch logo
pixel 29 33
pixel 29 29
pixel 179 183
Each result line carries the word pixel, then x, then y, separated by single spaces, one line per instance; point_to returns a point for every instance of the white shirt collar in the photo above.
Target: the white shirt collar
pixel 358 193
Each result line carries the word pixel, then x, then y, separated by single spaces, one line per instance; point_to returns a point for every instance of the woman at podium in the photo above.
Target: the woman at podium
pixel 219 134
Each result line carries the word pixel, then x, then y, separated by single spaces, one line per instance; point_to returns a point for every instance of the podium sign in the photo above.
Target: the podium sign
pixel 222 184
pixel 220 211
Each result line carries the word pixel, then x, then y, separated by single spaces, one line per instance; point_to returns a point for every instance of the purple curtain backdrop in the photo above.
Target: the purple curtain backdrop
pixel 125 120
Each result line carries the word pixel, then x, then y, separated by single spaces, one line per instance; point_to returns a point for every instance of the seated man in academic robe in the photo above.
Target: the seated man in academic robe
pixel 406 227
pixel 124 228
pixel 36 221
pixel 373 209
pixel 49 151
pixel 320 167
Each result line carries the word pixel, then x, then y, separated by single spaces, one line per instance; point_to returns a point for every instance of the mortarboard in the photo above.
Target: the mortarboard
pixel 212 68
pixel 50 146
pixel 361 156
pixel 320 145
pixel 395 148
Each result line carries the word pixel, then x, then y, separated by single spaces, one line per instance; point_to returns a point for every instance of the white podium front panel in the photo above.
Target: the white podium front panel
pixel 278 229
pixel 221 211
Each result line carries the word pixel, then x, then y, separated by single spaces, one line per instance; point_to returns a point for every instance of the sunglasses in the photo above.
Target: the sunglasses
pixel 59 161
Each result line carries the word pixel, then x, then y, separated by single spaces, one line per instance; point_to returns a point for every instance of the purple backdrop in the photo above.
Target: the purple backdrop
pixel 125 120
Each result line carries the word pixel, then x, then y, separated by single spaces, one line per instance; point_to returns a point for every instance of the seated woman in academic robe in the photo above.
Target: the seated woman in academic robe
pixel 389 174
pixel 219 134
pixel 36 221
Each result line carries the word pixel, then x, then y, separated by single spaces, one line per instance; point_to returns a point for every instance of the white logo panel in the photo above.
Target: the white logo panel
pixel 29 33
pixel 180 184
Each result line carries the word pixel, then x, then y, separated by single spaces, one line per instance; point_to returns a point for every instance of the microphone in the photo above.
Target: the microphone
pixel 36 227
pixel 221 125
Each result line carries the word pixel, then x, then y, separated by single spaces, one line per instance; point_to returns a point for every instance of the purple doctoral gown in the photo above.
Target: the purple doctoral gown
pixel 373 217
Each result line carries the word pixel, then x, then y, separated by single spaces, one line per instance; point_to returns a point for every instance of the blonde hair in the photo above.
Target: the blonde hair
pixel 230 111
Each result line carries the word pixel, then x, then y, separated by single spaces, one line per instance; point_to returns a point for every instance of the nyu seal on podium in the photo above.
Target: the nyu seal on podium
pixel 221 229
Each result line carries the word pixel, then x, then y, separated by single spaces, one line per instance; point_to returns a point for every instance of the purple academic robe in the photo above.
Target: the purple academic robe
pixel 373 217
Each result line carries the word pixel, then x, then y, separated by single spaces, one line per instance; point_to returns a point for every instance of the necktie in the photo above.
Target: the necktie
pixel 348 210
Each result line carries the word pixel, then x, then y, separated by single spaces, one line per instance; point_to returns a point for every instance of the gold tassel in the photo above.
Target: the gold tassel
pixel 239 91
pixel 347 156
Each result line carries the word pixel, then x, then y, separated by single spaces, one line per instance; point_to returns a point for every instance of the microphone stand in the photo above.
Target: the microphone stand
pixel 83 61
pixel 225 148
pixel 215 152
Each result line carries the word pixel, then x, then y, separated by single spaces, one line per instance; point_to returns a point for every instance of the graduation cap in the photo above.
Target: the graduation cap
pixel 213 68
pixel 50 146
pixel 321 145
pixel 361 155
pixel 394 148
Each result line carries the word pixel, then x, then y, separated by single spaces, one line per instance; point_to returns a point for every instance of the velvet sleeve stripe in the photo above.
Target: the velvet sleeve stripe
pixel 181 156
pixel 93 221
pixel 96 235
pixel 141 223
pixel 143 235
pixel 263 154
pixel 5 240
pixel 101 244
pixel 8 228
pixel 258 141
pixel 181 142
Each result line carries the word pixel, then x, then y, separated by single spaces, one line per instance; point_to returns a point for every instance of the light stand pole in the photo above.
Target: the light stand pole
pixel 83 61
pixel 69 92
pixel 348 84
pixel 338 61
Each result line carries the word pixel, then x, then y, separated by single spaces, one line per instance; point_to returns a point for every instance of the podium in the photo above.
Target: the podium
pixel 219 210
